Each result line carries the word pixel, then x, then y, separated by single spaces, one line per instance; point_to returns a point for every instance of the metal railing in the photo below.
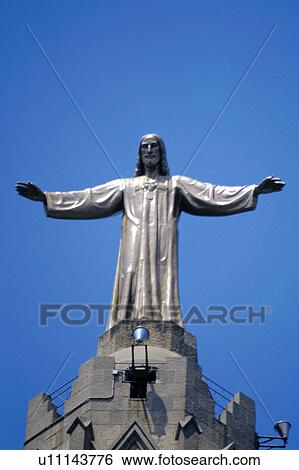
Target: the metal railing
pixel 64 392
pixel 220 395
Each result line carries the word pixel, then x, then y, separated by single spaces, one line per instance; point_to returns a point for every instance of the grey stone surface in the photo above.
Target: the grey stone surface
pixel 81 434
pixel 95 381
pixel 188 432
pixel 239 419
pixel 41 413
pixel 166 335
pixel 180 399
pixel 133 437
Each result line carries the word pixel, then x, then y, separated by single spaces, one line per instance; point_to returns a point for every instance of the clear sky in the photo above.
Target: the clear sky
pixel 150 66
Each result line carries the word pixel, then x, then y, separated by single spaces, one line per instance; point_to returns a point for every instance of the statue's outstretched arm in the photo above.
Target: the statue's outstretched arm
pixel 90 203
pixel 199 198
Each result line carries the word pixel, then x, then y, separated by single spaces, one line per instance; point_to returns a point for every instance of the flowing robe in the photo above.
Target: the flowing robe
pixel 146 280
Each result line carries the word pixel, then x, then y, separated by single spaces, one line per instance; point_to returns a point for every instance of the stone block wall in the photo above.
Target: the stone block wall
pixel 178 412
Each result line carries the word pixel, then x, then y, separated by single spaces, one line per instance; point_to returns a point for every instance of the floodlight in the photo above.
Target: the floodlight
pixel 283 429
pixel 140 334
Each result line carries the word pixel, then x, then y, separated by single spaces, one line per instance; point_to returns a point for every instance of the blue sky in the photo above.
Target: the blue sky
pixel 136 67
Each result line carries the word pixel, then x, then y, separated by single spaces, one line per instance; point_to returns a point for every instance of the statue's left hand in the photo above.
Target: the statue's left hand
pixel 269 185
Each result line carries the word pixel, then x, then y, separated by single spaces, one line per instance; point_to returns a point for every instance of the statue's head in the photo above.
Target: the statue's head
pixel 151 152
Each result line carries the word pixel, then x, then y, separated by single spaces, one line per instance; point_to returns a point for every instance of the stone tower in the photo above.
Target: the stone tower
pixel 177 411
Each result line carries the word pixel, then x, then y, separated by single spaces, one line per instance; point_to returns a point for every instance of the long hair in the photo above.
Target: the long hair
pixel 163 170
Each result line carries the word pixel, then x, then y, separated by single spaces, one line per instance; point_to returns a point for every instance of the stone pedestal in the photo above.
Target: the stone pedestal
pixel 177 413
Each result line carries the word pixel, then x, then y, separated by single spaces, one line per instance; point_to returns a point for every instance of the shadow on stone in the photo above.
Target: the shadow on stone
pixel 157 410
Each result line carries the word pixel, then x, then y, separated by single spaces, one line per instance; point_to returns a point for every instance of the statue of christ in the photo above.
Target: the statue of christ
pixel 146 279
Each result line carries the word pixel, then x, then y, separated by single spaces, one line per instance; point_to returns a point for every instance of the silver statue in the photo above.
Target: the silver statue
pixel 146 280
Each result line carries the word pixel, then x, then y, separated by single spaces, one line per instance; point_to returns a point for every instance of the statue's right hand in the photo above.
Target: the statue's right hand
pixel 30 191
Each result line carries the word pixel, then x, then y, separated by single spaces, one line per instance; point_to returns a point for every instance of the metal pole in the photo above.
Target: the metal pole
pixel 146 357
pixel 133 359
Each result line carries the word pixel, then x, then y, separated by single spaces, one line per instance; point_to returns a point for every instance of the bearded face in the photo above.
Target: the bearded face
pixel 150 153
